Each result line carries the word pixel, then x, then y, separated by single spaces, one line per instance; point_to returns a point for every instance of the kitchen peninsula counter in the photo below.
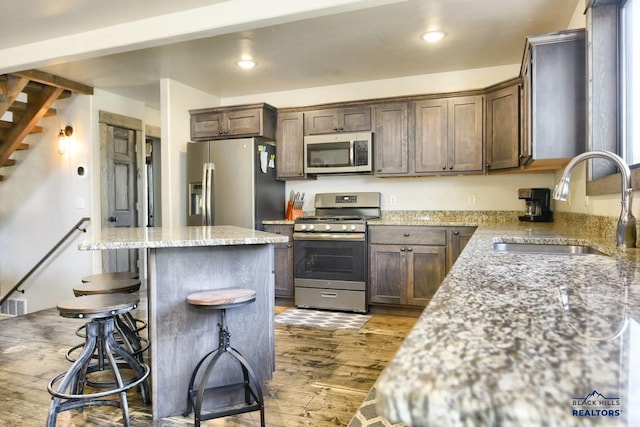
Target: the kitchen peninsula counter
pixel 182 260
pixel 520 339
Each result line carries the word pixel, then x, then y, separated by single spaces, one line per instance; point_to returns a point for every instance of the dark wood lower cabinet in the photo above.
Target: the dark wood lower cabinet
pixel 283 260
pixel 457 239
pixel 407 264
pixel 388 274
pixel 405 275
pixel 425 272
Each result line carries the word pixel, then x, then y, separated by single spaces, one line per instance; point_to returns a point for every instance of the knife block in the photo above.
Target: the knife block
pixel 292 213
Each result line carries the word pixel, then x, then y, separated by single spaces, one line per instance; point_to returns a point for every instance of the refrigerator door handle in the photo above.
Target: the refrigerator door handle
pixel 203 199
pixel 210 191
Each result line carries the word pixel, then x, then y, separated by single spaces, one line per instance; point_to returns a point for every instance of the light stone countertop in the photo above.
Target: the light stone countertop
pixel 521 340
pixel 172 237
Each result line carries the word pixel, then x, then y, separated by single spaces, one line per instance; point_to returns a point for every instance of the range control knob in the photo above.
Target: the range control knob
pixel 344 227
pixel 327 227
pixel 353 227
pixel 303 226
pixel 311 227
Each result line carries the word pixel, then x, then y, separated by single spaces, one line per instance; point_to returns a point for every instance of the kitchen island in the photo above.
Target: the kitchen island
pixel 183 260
pixel 523 339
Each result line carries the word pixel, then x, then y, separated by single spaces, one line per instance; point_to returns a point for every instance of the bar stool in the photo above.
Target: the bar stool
pixel 127 327
pixel 67 389
pixel 112 282
pixel 222 300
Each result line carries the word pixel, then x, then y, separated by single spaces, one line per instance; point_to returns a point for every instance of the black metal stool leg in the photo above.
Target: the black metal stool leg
pixel 100 334
pixel 251 393
pixel 71 377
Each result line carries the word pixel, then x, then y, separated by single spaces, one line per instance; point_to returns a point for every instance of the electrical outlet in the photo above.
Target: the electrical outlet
pixel 471 199
pixel 392 200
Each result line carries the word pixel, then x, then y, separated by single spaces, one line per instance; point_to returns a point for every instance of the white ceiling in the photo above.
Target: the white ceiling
pixel 348 43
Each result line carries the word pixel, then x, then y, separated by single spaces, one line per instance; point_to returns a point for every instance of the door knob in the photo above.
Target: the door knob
pixel 113 219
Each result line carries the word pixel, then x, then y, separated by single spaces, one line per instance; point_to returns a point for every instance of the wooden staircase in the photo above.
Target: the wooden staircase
pixel 41 90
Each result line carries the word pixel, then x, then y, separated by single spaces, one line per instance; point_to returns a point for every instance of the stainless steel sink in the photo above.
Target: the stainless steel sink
pixel 545 248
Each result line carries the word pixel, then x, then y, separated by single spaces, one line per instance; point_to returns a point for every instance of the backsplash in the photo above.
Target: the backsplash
pixel 575 223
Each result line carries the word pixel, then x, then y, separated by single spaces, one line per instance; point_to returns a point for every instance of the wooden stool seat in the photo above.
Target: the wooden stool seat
pixel 222 298
pixel 111 276
pixel 101 286
pixel 96 306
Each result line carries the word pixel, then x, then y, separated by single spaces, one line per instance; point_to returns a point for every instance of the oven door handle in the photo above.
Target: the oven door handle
pixel 333 237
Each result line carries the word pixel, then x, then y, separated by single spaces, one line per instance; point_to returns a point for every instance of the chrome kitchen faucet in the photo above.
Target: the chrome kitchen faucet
pixel 626 233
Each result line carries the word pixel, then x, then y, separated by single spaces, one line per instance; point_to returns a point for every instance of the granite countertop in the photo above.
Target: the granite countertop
pixel 171 237
pixel 522 340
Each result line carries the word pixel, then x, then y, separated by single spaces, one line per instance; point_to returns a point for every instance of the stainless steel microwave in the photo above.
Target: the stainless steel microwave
pixel 338 153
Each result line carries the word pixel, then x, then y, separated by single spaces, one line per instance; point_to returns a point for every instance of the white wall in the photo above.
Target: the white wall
pixel 431 193
pixel 413 85
pixel 42 199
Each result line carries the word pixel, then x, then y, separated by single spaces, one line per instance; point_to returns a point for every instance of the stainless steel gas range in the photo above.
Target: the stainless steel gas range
pixel 330 252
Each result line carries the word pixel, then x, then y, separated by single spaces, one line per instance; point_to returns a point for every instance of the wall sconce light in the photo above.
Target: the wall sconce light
pixel 63 139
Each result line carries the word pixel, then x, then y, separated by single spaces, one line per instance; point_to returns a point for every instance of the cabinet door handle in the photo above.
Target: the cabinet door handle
pixel 409 249
pixel 406 234
pixel 444 168
pixel 455 233
pixel 379 170
pixel 289 245
pixel 402 249
pixel 278 232
pixel 450 167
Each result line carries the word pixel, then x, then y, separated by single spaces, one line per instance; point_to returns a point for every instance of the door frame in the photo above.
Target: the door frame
pixel 106 119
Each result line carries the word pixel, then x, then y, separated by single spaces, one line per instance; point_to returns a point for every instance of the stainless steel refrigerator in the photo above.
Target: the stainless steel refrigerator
pixel 233 182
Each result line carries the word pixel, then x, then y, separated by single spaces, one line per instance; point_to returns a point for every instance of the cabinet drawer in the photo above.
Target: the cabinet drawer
pixel 412 235
pixel 284 230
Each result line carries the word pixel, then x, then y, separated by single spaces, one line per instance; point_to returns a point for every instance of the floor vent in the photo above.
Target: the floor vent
pixel 14 307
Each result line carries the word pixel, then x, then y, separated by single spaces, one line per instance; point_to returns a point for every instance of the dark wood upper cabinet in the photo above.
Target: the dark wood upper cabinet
pixel 553 98
pixel 448 135
pixel 290 146
pixel 502 128
pixel 390 139
pixel 348 119
pixel 233 122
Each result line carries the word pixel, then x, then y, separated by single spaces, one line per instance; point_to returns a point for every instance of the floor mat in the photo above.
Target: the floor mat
pixel 323 319
pixel 367 415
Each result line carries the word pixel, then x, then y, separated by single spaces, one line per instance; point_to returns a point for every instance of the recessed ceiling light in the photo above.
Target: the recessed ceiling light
pixel 246 64
pixel 433 36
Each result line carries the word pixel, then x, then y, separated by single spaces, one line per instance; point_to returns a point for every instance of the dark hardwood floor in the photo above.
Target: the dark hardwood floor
pixel 322 375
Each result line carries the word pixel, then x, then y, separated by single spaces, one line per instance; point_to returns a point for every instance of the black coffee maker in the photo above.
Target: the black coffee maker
pixel 538 204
